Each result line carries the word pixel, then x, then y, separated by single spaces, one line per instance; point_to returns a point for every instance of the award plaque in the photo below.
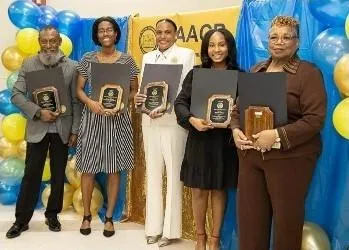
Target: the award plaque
pixel 258 118
pixel 168 73
pixel 48 98
pixel 156 97
pixel 219 109
pixel 110 84
pixel 212 96
pixel 47 89
pixel 262 102
pixel 111 97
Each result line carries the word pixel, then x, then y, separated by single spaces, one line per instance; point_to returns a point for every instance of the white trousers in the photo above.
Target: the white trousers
pixel 163 146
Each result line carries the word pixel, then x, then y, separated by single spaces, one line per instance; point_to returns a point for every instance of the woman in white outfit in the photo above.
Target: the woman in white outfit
pixel 164 144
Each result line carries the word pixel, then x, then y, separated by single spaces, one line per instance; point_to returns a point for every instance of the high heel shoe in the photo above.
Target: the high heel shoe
pixel 201 238
pixel 153 239
pixel 108 233
pixel 214 243
pixel 86 231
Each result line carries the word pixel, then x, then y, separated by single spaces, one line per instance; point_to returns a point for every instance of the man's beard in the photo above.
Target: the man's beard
pixel 49 59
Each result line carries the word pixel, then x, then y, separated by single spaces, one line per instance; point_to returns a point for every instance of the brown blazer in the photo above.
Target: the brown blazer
pixel 306 110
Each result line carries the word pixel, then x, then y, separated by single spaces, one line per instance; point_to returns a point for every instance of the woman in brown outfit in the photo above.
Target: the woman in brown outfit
pixel 273 182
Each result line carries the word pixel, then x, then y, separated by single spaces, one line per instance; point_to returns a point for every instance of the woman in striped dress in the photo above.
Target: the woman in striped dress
pixel 105 142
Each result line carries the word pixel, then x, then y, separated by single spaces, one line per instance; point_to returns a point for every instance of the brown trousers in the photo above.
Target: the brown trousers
pixel 272 189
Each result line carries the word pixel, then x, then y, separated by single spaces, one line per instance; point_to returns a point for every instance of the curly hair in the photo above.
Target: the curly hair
pixel 286 21
pixel 109 19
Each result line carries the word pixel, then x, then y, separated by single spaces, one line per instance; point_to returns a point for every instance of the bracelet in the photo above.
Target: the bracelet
pixel 277 135
pixel 277 144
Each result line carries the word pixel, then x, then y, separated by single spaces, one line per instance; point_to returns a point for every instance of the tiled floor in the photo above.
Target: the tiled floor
pixel 129 236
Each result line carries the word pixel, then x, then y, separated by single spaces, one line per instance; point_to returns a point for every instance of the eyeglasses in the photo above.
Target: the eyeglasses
pixel 284 39
pixel 108 31
pixel 46 42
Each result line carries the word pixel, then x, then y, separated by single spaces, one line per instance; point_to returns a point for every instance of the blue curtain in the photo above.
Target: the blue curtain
pixel 83 44
pixel 328 199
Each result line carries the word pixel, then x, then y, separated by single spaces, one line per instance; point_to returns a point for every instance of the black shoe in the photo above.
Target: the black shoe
pixel 108 233
pixel 16 230
pixel 86 231
pixel 53 224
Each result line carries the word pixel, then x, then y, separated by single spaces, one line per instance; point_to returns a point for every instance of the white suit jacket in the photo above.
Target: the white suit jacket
pixel 173 55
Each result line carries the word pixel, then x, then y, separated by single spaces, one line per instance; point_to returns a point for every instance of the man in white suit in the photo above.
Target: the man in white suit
pixel 164 144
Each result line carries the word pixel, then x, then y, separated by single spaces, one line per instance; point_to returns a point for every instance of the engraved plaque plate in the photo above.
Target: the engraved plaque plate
pixel 48 98
pixel 258 118
pixel 156 97
pixel 111 97
pixel 219 110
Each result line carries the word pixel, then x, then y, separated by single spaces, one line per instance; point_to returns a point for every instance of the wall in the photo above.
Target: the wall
pixel 90 8
pixel 144 8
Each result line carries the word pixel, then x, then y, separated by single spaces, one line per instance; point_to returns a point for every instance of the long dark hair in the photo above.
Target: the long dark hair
pixel 231 59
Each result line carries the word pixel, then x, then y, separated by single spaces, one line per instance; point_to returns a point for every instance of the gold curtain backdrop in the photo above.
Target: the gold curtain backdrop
pixel 191 28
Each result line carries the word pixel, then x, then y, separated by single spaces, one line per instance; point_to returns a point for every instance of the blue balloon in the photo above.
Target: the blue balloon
pixel 24 14
pixel 330 12
pixel 8 193
pixel 328 47
pixel 48 10
pixel 71 151
pixel 68 23
pixel 6 107
pixel 47 19
pixel 11 80
pixel 11 171
pixel 39 203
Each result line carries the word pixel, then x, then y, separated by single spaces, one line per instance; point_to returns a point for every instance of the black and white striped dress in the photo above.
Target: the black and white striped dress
pixel 105 143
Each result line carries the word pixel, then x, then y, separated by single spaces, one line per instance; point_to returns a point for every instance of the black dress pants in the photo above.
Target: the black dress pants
pixel 31 182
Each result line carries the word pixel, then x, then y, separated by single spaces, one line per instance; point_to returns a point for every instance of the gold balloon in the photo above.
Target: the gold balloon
pixel 66 45
pixel 314 237
pixel 98 186
pixel 22 149
pixel 343 96
pixel 340 118
pixel 67 197
pixel 341 74
pixel 7 148
pixel 46 174
pixel 73 176
pixel 96 201
pixel 27 40
pixel 45 195
pixel 12 58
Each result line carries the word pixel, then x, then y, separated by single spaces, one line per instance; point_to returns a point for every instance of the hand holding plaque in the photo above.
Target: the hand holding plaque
pixel 111 97
pixel 219 109
pixel 48 98
pixel 262 102
pixel 47 89
pixel 257 119
pixel 156 93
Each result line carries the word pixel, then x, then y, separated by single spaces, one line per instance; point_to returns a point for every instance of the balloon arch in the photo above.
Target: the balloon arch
pixel 329 51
